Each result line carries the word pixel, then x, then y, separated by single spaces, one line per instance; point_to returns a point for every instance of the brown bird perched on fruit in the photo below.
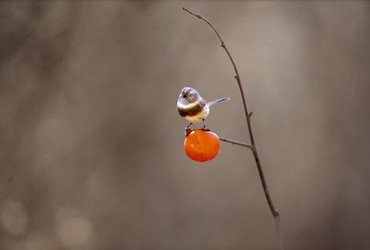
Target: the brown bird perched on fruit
pixel 193 107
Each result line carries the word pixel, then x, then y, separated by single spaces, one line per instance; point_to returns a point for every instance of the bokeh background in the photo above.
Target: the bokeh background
pixel 91 145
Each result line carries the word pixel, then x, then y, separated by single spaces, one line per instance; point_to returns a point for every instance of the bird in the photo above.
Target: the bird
pixel 193 107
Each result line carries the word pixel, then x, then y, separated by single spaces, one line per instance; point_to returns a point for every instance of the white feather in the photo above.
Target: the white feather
pixel 199 117
pixel 186 106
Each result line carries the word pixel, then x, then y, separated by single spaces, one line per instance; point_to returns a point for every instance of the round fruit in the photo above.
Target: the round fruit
pixel 202 145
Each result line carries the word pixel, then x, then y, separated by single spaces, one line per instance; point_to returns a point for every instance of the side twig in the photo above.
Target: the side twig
pixel 236 143
pixel 248 115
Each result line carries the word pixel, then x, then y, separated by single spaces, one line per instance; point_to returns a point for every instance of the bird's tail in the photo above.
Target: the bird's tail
pixel 209 104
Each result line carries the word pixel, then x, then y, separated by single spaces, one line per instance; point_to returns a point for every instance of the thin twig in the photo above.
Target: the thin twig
pixel 236 143
pixel 274 211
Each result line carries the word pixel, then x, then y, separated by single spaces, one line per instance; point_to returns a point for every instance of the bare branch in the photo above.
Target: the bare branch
pixel 236 143
pixel 273 210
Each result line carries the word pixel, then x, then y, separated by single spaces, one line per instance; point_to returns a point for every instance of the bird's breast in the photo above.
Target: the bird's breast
pixel 191 109
pixel 198 117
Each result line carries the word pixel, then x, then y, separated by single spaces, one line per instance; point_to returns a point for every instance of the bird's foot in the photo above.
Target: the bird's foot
pixel 205 126
pixel 187 131
pixel 205 129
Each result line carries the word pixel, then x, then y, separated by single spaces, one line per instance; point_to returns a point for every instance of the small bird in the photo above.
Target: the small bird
pixel 193 107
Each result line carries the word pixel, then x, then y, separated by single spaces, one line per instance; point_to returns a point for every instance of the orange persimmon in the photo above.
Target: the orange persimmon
pixel 202 145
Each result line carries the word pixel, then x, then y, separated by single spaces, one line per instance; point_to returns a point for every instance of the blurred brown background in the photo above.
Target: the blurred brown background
pixel 91 153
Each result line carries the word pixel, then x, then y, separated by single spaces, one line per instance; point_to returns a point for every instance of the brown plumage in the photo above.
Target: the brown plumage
pixel 196 109
pixel 193 107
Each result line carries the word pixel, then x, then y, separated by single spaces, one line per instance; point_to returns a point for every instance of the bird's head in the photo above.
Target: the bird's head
pixel 189 95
